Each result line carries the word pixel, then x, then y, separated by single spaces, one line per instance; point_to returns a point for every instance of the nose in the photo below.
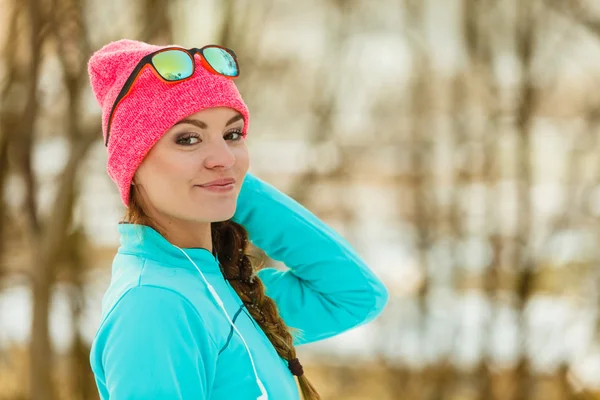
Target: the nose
pixel 220 155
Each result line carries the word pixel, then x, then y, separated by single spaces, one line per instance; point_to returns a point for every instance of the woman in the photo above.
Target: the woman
pixel 186 316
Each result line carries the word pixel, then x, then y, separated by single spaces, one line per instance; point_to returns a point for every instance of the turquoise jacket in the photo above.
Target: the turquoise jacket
pixel 164 336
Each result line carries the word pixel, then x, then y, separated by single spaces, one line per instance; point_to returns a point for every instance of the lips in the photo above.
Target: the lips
pixel 219 182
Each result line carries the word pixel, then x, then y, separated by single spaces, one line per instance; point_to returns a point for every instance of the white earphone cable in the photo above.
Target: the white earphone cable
pixel 213 292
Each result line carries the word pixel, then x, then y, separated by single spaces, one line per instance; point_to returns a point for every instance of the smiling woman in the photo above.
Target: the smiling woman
pixel 172 184
pixel 186 316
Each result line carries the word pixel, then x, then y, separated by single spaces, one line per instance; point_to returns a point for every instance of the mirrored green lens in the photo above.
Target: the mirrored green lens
pixel 221 61
pixel 173 65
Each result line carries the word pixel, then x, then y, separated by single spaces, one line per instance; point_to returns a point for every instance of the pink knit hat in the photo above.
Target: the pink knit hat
pixel 151 107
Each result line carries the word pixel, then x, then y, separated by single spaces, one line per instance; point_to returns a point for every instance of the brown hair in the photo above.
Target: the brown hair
pixel 230 242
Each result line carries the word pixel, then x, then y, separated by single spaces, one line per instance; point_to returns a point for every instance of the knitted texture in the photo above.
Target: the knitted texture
pixel 151 107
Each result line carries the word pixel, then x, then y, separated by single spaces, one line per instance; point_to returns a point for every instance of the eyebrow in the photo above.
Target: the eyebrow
pixel 202 125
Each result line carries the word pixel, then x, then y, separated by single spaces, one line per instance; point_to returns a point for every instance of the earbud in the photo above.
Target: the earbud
pixel 264 395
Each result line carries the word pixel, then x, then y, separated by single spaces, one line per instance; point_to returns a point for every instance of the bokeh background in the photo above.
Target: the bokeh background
pixel 454 143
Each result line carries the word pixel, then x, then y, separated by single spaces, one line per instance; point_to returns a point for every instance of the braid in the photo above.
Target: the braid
pixel 230 240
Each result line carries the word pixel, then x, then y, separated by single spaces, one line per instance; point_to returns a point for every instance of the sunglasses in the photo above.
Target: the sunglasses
pixel 175 64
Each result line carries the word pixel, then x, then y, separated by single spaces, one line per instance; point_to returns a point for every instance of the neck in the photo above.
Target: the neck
pixel 179 232
pixel 184 234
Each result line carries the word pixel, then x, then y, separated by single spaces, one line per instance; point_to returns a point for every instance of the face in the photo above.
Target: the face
pixel 199 149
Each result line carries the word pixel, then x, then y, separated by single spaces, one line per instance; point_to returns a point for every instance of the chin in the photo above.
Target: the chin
pixel 211 209
pixel 217 215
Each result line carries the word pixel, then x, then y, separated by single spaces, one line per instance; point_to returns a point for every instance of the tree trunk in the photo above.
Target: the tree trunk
pixel 40 367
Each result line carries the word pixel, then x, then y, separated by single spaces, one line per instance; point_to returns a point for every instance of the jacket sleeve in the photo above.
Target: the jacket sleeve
pixel 154 346
pixel 327 288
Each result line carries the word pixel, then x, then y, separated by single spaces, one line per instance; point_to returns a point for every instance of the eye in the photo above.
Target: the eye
pixel 187 139
pixel 237 132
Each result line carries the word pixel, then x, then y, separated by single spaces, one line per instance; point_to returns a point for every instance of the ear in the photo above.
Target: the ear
pixel 134 178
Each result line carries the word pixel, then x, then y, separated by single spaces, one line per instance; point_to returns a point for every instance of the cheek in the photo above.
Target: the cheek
pixel 169 173
pixel 242 158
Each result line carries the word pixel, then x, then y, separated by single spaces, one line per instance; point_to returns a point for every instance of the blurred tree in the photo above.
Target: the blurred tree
pixel 156 22
pixel 37 25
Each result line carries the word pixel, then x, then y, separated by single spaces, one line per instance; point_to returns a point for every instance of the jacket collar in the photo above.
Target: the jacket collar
pixel 146 242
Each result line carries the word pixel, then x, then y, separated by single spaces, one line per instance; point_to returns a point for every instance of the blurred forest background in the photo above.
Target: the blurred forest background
pixel 455 143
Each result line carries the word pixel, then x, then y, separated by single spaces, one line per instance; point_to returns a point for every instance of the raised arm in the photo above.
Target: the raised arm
pixel 328 288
